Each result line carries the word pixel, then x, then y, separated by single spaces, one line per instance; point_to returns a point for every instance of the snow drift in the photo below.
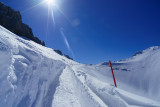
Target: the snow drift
pixel 26 75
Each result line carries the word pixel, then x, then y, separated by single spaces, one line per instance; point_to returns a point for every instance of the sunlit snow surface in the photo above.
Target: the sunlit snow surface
pixel 35 76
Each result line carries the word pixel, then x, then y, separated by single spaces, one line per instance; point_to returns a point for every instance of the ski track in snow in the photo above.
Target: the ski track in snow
pixel 36 76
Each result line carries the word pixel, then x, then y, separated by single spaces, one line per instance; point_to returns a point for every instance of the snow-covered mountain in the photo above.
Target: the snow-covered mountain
pixel 35 76
pixel 141 72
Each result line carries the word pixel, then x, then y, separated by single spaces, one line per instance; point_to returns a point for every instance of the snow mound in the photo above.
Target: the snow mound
pixel 27 77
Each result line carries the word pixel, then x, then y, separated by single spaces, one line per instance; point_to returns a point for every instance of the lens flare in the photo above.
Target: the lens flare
pixel 66 42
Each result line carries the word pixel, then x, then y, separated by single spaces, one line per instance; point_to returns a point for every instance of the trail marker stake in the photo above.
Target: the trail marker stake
pixel 113 74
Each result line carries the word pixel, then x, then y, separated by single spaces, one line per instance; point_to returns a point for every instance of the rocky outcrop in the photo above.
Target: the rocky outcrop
pixel 68 57
pixel 60 53
pixel 12 20
pixel 137 53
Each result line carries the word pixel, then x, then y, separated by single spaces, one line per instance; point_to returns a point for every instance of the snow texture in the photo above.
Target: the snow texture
pixel 35 76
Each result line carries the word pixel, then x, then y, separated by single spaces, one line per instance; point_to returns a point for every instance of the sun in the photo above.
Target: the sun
pixel 51 2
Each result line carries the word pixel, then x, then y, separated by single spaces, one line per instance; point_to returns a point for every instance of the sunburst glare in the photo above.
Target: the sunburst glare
pixel 51 2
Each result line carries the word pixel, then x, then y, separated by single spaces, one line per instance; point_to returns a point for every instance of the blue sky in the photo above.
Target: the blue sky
pixel 96 30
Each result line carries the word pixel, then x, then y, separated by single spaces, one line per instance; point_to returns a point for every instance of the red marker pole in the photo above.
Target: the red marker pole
pixel 113 74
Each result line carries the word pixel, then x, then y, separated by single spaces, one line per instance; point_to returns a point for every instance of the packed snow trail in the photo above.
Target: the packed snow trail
pixel 35 76
pixel 72 93
pixel 65 92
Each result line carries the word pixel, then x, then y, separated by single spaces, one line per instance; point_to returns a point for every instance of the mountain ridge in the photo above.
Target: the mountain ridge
pixel 12 20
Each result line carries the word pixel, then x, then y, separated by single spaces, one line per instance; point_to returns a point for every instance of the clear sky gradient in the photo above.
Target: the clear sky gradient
pixel 96 30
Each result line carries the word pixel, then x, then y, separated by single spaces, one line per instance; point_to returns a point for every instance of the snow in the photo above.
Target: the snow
pixel 65 95
pixel 142 72
pixel 35 76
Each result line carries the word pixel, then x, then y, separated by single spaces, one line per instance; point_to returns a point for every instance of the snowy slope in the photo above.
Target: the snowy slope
pixel 35 76
pixel 141 72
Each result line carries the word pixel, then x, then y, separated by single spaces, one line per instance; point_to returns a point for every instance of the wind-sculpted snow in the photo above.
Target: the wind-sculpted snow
pixel 35 76
pixel 27 78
